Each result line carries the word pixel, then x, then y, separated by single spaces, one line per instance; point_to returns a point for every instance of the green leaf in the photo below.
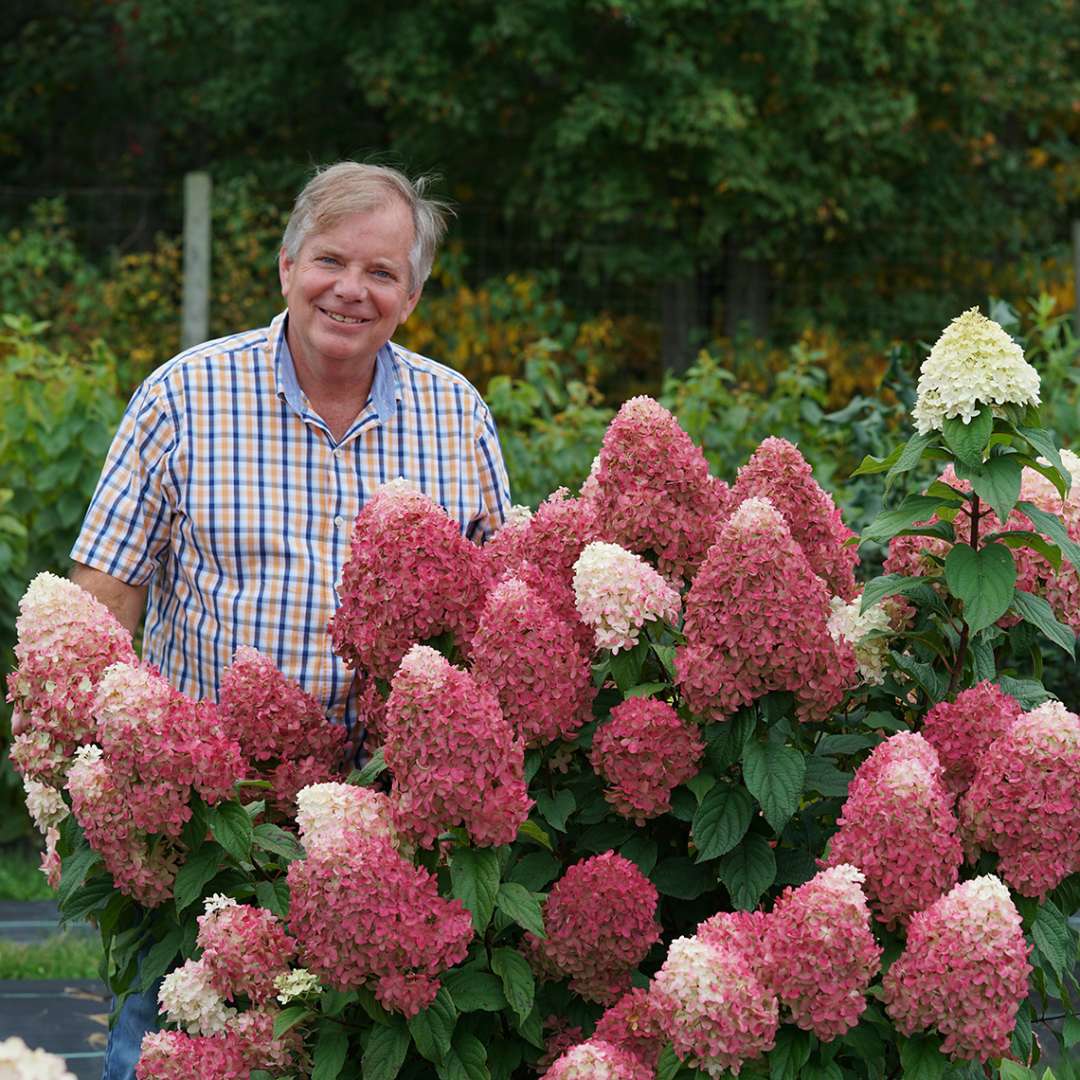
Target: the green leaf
pixel 791 1053
pixel 374 767
pixel 774 775
pixel 475 991
pixel 721 820
pixel 200 867
pixel 1036 610
pixel 474 877
pixel 626 666
pixel 331 1049
pixel 910 455
pixel 1070 1033
pixel 73 871
pixel 1022 1036
pixel 231 826
pixel 197 826
pixel 997 482
pixel 1018 538
pixel 289 1017
pixel 982 580
pixel 531 831
pixel 724 741
pixel 884 721
pixel 89 898
pixel 535 870
pixel 968 441
pixel 532 1028
pixel 385 1052
pixel 1052 526
pixel 887 585
pixel 922 1059
pixel 160 957
pixel 467 1059
pixel 701 784
pixel 870 464
pixel 914 508
pixel 1050 932
pixel 822 1070
pixel 273 838
pixel 925 675
pixel 683 878
pixel 335 1002
pixel 521 906
pixel 1044 445
pixel 668 1065
pixel 274 896
pixel 641 851
pixel 825 778
pixel 518 982
pixel 666 655
pixel 748 871
pixel 432 1028
pixel 844 744
pixel 645 689
pixel 556 808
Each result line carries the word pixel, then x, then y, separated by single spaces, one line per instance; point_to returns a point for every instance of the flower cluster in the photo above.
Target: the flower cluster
pixel 411 576
pixel 363 915
pixel 709 1000
pixel 19 1062
pixel 866 632
pixel 600 921
pixel 631 1025
pixel 756 621
pixel 973 363
pixel 963 971
pixel 820 953
pixel 523 650
pixel 1024 801
pixel 454 757
pixel 962 730
pixel 644 751
pixel 651 489
pixel 598 1060
pixel 66 639
pixel 327 813
pixel 778 472
pixel 278 726
pixel 188 997
pixel 898 828
pixel 244 949
pixel 617 592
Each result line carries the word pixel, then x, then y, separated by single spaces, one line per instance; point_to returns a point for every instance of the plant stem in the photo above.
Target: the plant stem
pixel 961 648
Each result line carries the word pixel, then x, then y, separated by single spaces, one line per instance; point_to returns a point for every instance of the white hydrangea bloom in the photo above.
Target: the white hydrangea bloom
pixel 19 1062
pixel 45 805
pixel 973 363
pixel 327 812
pixel 216 902
pixel 846 623
pixel 188 999
pixel 295 984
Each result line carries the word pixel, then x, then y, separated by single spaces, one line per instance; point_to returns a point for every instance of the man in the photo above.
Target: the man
pixel 225 506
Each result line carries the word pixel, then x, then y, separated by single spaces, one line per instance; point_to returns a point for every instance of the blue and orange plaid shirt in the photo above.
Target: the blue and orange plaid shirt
pixel 227 495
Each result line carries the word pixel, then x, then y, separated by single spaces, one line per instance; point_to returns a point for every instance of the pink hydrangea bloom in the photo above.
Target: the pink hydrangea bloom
pixel 644 751
pixel 598 1060
pixel 1024 802
pixel 1035 488
pixel 50 859
pixel 329 813
pixel 522 650
pixel 898 828
pixel 363 915
pixel 174 1055
pixel 743 930
pixel 651 489
pixel 617 592
pixel 710 1002
pixel 961 730
pixel 244 950
pixel 66 639
pixel 411 576
pixel 820 953
pixel 778 472
pixel 631 1025
pixel 600 921
pixel 757 620
pixel 963 971
pixel 454 757
pixel 278 725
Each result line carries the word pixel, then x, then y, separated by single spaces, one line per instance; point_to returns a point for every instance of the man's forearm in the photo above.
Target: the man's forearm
pixel 126 602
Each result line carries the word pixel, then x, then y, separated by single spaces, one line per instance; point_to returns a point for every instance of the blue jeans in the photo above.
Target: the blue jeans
pixel 138 1015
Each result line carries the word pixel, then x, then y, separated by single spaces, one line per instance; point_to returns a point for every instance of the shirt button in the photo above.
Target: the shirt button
pixel 337 452
pixel 339 522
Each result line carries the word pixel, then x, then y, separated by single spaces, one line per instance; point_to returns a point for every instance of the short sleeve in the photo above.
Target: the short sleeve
pixel 126 529
pixel 492 477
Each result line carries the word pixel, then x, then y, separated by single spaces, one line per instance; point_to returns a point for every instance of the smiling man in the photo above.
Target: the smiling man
pixel 225 507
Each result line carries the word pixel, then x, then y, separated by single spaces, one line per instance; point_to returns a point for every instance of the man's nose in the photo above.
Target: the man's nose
pixel 351 284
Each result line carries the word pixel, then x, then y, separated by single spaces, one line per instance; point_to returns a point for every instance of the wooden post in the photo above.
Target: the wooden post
pixel 195 316
pixel 1076 276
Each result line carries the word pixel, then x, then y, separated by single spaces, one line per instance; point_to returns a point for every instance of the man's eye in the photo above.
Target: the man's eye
pixel 327 259
pixel 383 274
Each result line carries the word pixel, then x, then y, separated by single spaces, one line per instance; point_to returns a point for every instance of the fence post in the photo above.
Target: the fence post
pixel 1076 275
pixel 195 315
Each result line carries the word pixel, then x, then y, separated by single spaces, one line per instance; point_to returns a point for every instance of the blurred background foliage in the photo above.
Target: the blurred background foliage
pixel 760 212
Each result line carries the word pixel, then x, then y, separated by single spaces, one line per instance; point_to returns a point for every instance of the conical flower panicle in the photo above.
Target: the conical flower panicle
pixel 410 577
pixel 898 828
pixel 66 639
pixel 961 731
pixel 778 472
pixel 757 621
pixel 973 363
pixel 1024 801
pixel 327 814
pixel 964 971
pixel 651 489
pixel 631 1025
pixel 528 655
pixel 455 758
pixel 819 952
pixel 598 1060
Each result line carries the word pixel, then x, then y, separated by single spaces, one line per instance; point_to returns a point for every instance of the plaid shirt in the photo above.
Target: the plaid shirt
pixel 227 494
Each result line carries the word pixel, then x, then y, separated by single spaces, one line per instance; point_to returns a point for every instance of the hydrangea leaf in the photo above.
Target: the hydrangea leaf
pixel 518 982
pixel 556 808
pixel 1052 526
pixel 910 455
pixel 475 991
pixel 195 873
pixel 467 1059
pixel 432 1028
pixel 722 820
pixel 288 1018
pixel 922 1059
pixel 385 1052
pixel 374 766
pixel 1051 934
pixel 982 580
pixel 273 838
pixel 521 906
pixel 232 829
pixel 683 878
pixel 996 482
pixel 774 775
pixel 1044 445
pixel 641 851
pixel 1038 612
pixel 668 1066
pixel 474 876
pixel 968 441
pixel 748 871
pixel 914 508
pixel 791 1053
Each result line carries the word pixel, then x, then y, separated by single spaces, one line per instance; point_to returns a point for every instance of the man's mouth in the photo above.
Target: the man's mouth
pixel 347 319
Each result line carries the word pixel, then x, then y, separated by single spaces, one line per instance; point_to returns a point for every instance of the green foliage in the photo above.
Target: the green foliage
pixel 63 956
pixel 20 876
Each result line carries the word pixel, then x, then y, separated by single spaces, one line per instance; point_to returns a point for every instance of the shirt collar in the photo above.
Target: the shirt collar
pixel 385 387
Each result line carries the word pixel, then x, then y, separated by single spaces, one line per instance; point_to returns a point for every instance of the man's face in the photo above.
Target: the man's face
pixel 348 289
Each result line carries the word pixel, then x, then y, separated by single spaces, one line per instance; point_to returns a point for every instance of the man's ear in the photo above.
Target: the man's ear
pixel 410 305
pixel 285 265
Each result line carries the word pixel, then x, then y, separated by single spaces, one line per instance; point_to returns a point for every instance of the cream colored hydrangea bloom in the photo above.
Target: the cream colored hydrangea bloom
pixel 973 363
pixel 846 623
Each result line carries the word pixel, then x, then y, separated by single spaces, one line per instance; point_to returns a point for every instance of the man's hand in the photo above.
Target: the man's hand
pixel 126 602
